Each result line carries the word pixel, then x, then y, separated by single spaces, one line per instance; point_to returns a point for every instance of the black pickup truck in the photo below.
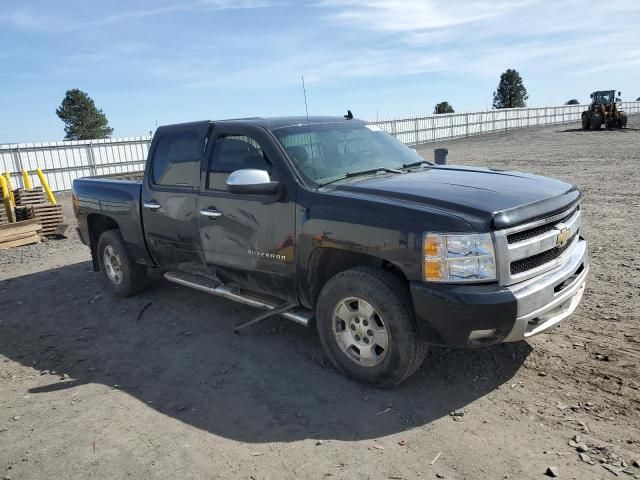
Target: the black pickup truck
pixel 333 222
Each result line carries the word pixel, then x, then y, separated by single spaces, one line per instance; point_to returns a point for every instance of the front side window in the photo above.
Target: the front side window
pixel 176 161
pixel 231 153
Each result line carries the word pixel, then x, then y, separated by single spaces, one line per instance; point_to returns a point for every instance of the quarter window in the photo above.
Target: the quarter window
pixel 231 153
pixel 176 161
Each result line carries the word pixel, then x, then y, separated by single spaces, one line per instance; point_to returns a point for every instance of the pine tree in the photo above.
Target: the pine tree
pixel 443 107
pixel 511 92
pixel 83 121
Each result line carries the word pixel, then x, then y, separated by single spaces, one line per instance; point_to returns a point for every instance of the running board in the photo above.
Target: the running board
pixel 298 315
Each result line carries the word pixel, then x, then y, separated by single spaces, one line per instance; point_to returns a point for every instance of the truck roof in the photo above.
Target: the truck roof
pixel 271 123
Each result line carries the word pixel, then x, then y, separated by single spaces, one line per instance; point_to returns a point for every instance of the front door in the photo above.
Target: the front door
pixel 248 239
pixel 170 197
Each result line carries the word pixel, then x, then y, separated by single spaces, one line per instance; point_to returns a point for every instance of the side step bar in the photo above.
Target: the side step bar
pixel 298 315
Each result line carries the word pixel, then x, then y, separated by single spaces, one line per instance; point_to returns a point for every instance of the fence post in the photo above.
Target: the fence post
pixel 17 163
pixel 466 120
pixel 415 124
pixel 90 159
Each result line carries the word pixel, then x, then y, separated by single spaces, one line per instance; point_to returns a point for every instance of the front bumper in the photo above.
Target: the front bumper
pixel 470 315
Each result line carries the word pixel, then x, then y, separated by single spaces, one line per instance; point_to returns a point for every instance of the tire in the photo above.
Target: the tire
pixel 596 122
pixel 623 120
pixel 586 123
pixel 122 275
pixel 349 305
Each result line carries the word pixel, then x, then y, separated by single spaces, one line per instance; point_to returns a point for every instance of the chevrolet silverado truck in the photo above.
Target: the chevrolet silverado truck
pixel 334 223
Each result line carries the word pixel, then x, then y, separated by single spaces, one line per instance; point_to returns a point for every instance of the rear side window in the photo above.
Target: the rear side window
pixel 231 153
pixel 176 161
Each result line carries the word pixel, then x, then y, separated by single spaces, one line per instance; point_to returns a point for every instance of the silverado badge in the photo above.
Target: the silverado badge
pixel 563 237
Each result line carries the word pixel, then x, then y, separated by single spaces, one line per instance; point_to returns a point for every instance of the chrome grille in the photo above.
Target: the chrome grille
pixel 535 231
pixel 531 249
pixel 529 263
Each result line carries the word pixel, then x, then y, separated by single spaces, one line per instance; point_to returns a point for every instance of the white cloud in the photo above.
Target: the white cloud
pixel 484 37
pixel 32 20
pixel 416 15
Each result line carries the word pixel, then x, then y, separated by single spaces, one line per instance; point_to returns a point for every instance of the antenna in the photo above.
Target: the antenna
pixel 306 108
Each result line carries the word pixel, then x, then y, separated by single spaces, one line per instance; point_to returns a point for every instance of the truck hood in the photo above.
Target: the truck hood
pixel 484 197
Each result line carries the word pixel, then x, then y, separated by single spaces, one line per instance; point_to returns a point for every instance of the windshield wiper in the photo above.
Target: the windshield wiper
pixel 372 170
pixel 416 164
pixel 360 172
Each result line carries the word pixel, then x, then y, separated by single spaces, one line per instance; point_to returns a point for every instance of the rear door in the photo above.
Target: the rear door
pixel 251 239
pixel 170 197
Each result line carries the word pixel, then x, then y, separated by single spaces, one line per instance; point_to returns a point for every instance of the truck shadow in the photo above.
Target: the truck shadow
pixel 271 383
pixel 575 130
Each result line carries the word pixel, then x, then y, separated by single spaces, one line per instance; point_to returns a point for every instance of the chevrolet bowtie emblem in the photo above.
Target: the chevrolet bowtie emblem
pixel 563 237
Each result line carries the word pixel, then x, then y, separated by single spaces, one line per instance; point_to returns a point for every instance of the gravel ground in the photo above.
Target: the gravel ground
pixel 92 388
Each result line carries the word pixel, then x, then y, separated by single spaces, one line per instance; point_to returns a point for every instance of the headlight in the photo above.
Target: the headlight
pixel 458 258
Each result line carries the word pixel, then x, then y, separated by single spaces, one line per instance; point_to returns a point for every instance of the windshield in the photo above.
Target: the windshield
pixel 603 97
pixel 324 152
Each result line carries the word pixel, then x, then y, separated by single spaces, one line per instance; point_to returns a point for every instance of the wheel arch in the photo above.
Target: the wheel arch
pixel 326 262
pixel 97 224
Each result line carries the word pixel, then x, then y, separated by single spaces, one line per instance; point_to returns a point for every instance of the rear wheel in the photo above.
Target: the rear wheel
pixel 366 325
pixel 123 276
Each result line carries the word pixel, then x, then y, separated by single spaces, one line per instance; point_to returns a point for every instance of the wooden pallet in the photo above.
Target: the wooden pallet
pixel 48 215
pixel 24 197
pixel 19 233
pixel 23 213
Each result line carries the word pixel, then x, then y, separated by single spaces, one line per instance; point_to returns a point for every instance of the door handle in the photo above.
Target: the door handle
pixel 211 213
pixel 152 205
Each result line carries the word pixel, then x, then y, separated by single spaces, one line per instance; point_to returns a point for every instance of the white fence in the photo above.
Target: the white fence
pixel 432 128
pixel 63 162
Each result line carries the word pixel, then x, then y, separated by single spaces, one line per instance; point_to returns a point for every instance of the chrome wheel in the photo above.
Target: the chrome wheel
pixel 360 331
pixel 112 265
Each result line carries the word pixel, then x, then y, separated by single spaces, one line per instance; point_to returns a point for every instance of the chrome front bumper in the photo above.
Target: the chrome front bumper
pixel 544 301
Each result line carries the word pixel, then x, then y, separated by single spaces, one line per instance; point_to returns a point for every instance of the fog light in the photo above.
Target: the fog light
pixel 480 334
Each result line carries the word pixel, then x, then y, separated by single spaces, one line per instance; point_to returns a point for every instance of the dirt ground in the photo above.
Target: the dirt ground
pixel 89 388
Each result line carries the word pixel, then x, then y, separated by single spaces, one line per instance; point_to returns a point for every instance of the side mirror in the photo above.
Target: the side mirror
pixel 591 95
pixel 619 94
pixel 250 181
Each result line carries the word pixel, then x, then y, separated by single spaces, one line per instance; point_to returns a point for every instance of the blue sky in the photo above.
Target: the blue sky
pixel 169 61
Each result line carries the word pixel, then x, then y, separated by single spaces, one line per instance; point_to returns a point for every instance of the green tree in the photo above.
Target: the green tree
pixel 573 101
pixel 638 99
pixel 83 121
pixel 443 107
pixel 511 92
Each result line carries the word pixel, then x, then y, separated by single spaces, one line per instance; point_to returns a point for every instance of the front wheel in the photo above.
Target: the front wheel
pixel 623 120
pixel 586 122
pixel 121 273
pixel 366 325
pixel 596 122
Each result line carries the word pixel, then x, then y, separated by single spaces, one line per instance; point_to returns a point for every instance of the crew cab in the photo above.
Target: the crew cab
pixel 334 223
